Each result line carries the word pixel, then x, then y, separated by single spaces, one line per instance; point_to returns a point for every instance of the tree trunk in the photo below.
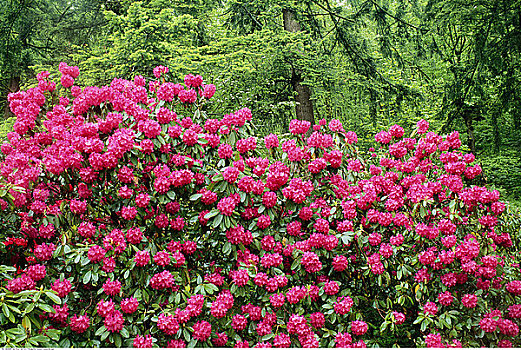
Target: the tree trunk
pixel 290 22
pixel 304 105
pixel 12 86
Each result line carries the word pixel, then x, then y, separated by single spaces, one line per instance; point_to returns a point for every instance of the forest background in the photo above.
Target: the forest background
pixel 369 63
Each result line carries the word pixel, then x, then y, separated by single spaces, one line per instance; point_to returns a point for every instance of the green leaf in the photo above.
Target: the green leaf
pixel 20 337
pixel 100 330
pixel 186 334
pixel 26 323
pixel 15 309
pixel 227 248
pixel 171 195
pixel 46 308
pixel 29 308
pixel 161 139
pixel 11 317
pixel 65 343
pixel 117 340
pixel 295 264
pixel 87 277
pixel 162 199
pixel 217 221
pixel 40 338
pixel 444 322
pixel 217 177
pixel 211 214
pixel 124 333
pixel 53 297
pixel 5 311
pixel 268 336
pixel 208 288
pixel 84 261
pixel 37 296
pixel 195 197
pixel 54 334
pixel 18 330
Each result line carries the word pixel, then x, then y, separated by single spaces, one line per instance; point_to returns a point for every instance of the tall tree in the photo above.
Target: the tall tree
pixel 335 32
pixel 304 104
pixel 34 32
pixel 15 32
pixel 480 44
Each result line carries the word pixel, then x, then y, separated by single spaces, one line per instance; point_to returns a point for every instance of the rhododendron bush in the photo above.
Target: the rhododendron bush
pixel 137 220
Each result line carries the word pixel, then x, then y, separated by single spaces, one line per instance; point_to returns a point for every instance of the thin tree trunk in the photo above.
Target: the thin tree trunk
pixel 12 86
pixel 304 105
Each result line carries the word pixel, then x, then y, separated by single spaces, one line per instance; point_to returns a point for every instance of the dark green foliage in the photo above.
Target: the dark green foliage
pixel 34 32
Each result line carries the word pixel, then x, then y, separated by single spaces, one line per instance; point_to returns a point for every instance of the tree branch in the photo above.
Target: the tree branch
pixel 331 13
pixel 394 17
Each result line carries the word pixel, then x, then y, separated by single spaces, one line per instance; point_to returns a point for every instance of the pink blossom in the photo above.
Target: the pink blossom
pixel 79 324
pixel 112 287
pixel 62 288
pixel 359 327
pixel 142 258
pixel 162 280
pixel 430 308
pixel 143 342
pixel 36 272
pixel 343 340
pixel 168 324
pixel 129 305
pixel 343 305
pixel 105 308
pixel 240 277
pixel 469 301
pixel 311 262
pixel 202 330
pixel 399 318
pixel 114 321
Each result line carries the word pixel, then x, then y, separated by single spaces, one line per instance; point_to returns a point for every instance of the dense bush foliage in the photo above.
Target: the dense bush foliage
pixel 131 218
